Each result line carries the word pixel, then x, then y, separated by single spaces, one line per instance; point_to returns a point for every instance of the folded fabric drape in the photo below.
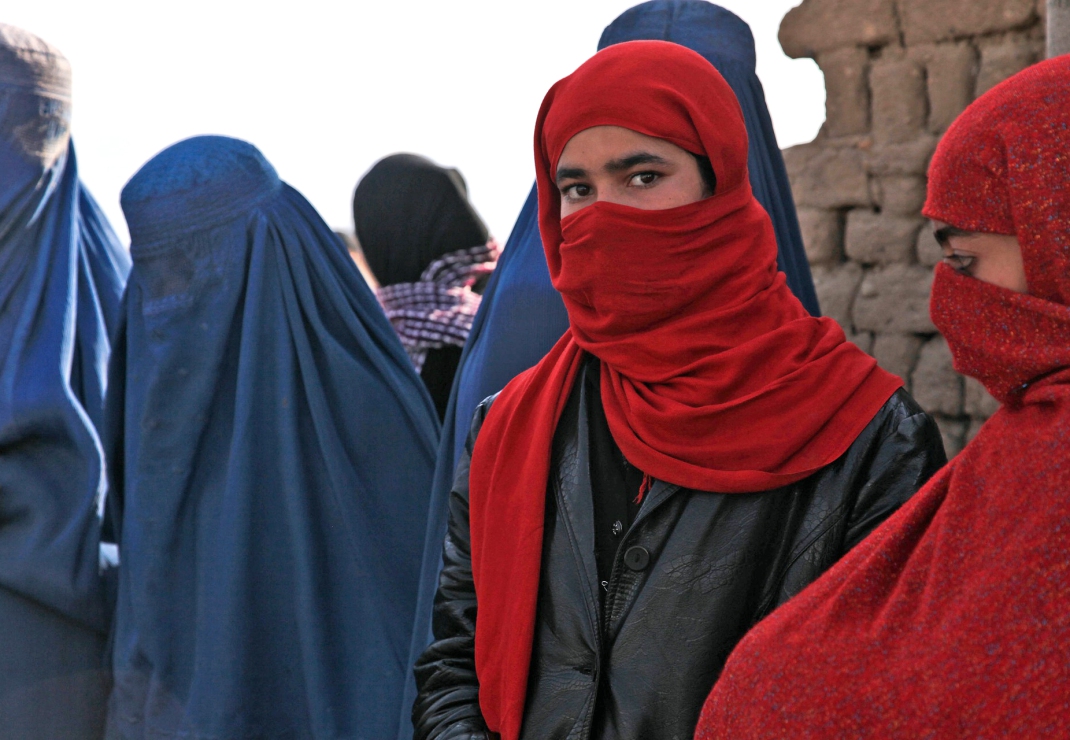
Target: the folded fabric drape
pixel 272 453
pixel 62 272
pixel 437 310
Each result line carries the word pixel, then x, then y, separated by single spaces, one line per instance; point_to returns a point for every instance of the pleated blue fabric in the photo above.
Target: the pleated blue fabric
pixel 62 272
pixel 522 315
pixel 272 450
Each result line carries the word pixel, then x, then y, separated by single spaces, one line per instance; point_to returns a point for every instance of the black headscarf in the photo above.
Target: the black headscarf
pixel 407 212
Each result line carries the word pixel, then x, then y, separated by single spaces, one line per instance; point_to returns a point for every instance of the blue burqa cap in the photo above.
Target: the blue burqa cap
pixel 521 315
pixel 62 272
pixel 273 451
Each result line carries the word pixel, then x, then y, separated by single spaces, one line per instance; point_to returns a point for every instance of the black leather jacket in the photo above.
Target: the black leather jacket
pixel 694 572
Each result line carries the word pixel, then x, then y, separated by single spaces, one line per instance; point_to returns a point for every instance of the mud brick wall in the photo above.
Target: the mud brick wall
pixel 897 73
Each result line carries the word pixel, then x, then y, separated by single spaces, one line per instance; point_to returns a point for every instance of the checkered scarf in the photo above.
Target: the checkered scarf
pixel 438 310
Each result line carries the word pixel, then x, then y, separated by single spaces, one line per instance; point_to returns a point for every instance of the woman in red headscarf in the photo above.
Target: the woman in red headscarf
pixel 695 450
pixel 953 618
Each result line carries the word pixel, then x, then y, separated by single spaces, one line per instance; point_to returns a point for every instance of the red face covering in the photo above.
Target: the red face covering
pixel 952 619
pixel 713 375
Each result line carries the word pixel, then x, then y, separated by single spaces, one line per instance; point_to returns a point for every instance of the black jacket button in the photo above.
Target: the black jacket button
pixel 636 558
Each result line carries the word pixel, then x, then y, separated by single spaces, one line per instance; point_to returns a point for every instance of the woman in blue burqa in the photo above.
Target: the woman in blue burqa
pixel 522 316
pixel 272 451
pixel 61 278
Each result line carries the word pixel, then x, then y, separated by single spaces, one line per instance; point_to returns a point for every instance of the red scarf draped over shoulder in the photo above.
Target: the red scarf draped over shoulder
pixel 953 618
pixel 714 377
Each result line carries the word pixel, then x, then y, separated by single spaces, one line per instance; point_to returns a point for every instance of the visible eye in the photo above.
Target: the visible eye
pixel 576 191
pixel 959 262
pixel 644 179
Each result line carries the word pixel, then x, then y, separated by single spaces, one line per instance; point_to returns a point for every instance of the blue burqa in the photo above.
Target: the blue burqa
pixel 521 315
pixel 272 452
pixel 62 272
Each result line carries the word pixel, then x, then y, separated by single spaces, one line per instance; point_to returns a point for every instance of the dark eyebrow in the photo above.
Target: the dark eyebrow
pixel 569 173
pixel 613 165
pixel 942 235
pixel 626 163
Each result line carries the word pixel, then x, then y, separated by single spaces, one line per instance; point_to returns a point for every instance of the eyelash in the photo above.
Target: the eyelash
pixel 657 176
pixel 567 191
pixel 960 262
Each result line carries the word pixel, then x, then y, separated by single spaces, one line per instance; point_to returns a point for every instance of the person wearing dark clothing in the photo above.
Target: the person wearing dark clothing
pixel 748 443
pixel 271 451
pixel 431 255
pixel 62 272
pixel 683 582
pixel 521 316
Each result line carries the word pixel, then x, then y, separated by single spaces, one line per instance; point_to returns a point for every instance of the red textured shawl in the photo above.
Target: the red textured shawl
pixel 953 618
pixel 714 376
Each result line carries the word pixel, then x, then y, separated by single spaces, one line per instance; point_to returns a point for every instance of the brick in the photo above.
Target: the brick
pixel 1000 62
pixel 928 249
pixel 900 194
pixel 974 428
pixel 953 432
pixel 979 404
pixel 938 20
pixel 934 383
pixel 846 90
pixel 836 287
pixel 897 353
pixel 880 238
pixel 820 25
pixel 907 158
pixel 1058 27
pixel 894 299
pixel 950 74
pixel 822 233
pixel 899 100
pixel 827 177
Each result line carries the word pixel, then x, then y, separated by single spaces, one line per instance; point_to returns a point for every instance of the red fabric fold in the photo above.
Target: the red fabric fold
pixel 952 618
pixel 714 376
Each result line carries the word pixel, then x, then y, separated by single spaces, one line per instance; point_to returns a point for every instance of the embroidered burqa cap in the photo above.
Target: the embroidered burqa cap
pixel 273 451
pixel 62 272
pixel 951 619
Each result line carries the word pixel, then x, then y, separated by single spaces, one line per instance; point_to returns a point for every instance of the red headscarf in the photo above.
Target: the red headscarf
pixel 953 618
pixel 714 376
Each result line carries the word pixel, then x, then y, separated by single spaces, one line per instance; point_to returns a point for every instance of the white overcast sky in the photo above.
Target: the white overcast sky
pixel 325 89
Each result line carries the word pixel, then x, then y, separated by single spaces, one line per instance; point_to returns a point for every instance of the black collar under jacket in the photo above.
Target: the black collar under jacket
pixel 692 574
pixel 408 212
pixel 614 482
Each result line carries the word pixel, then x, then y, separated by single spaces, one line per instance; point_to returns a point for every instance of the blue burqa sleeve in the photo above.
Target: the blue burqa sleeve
pixel 521 315
pixel 273 451
pixel 62 272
